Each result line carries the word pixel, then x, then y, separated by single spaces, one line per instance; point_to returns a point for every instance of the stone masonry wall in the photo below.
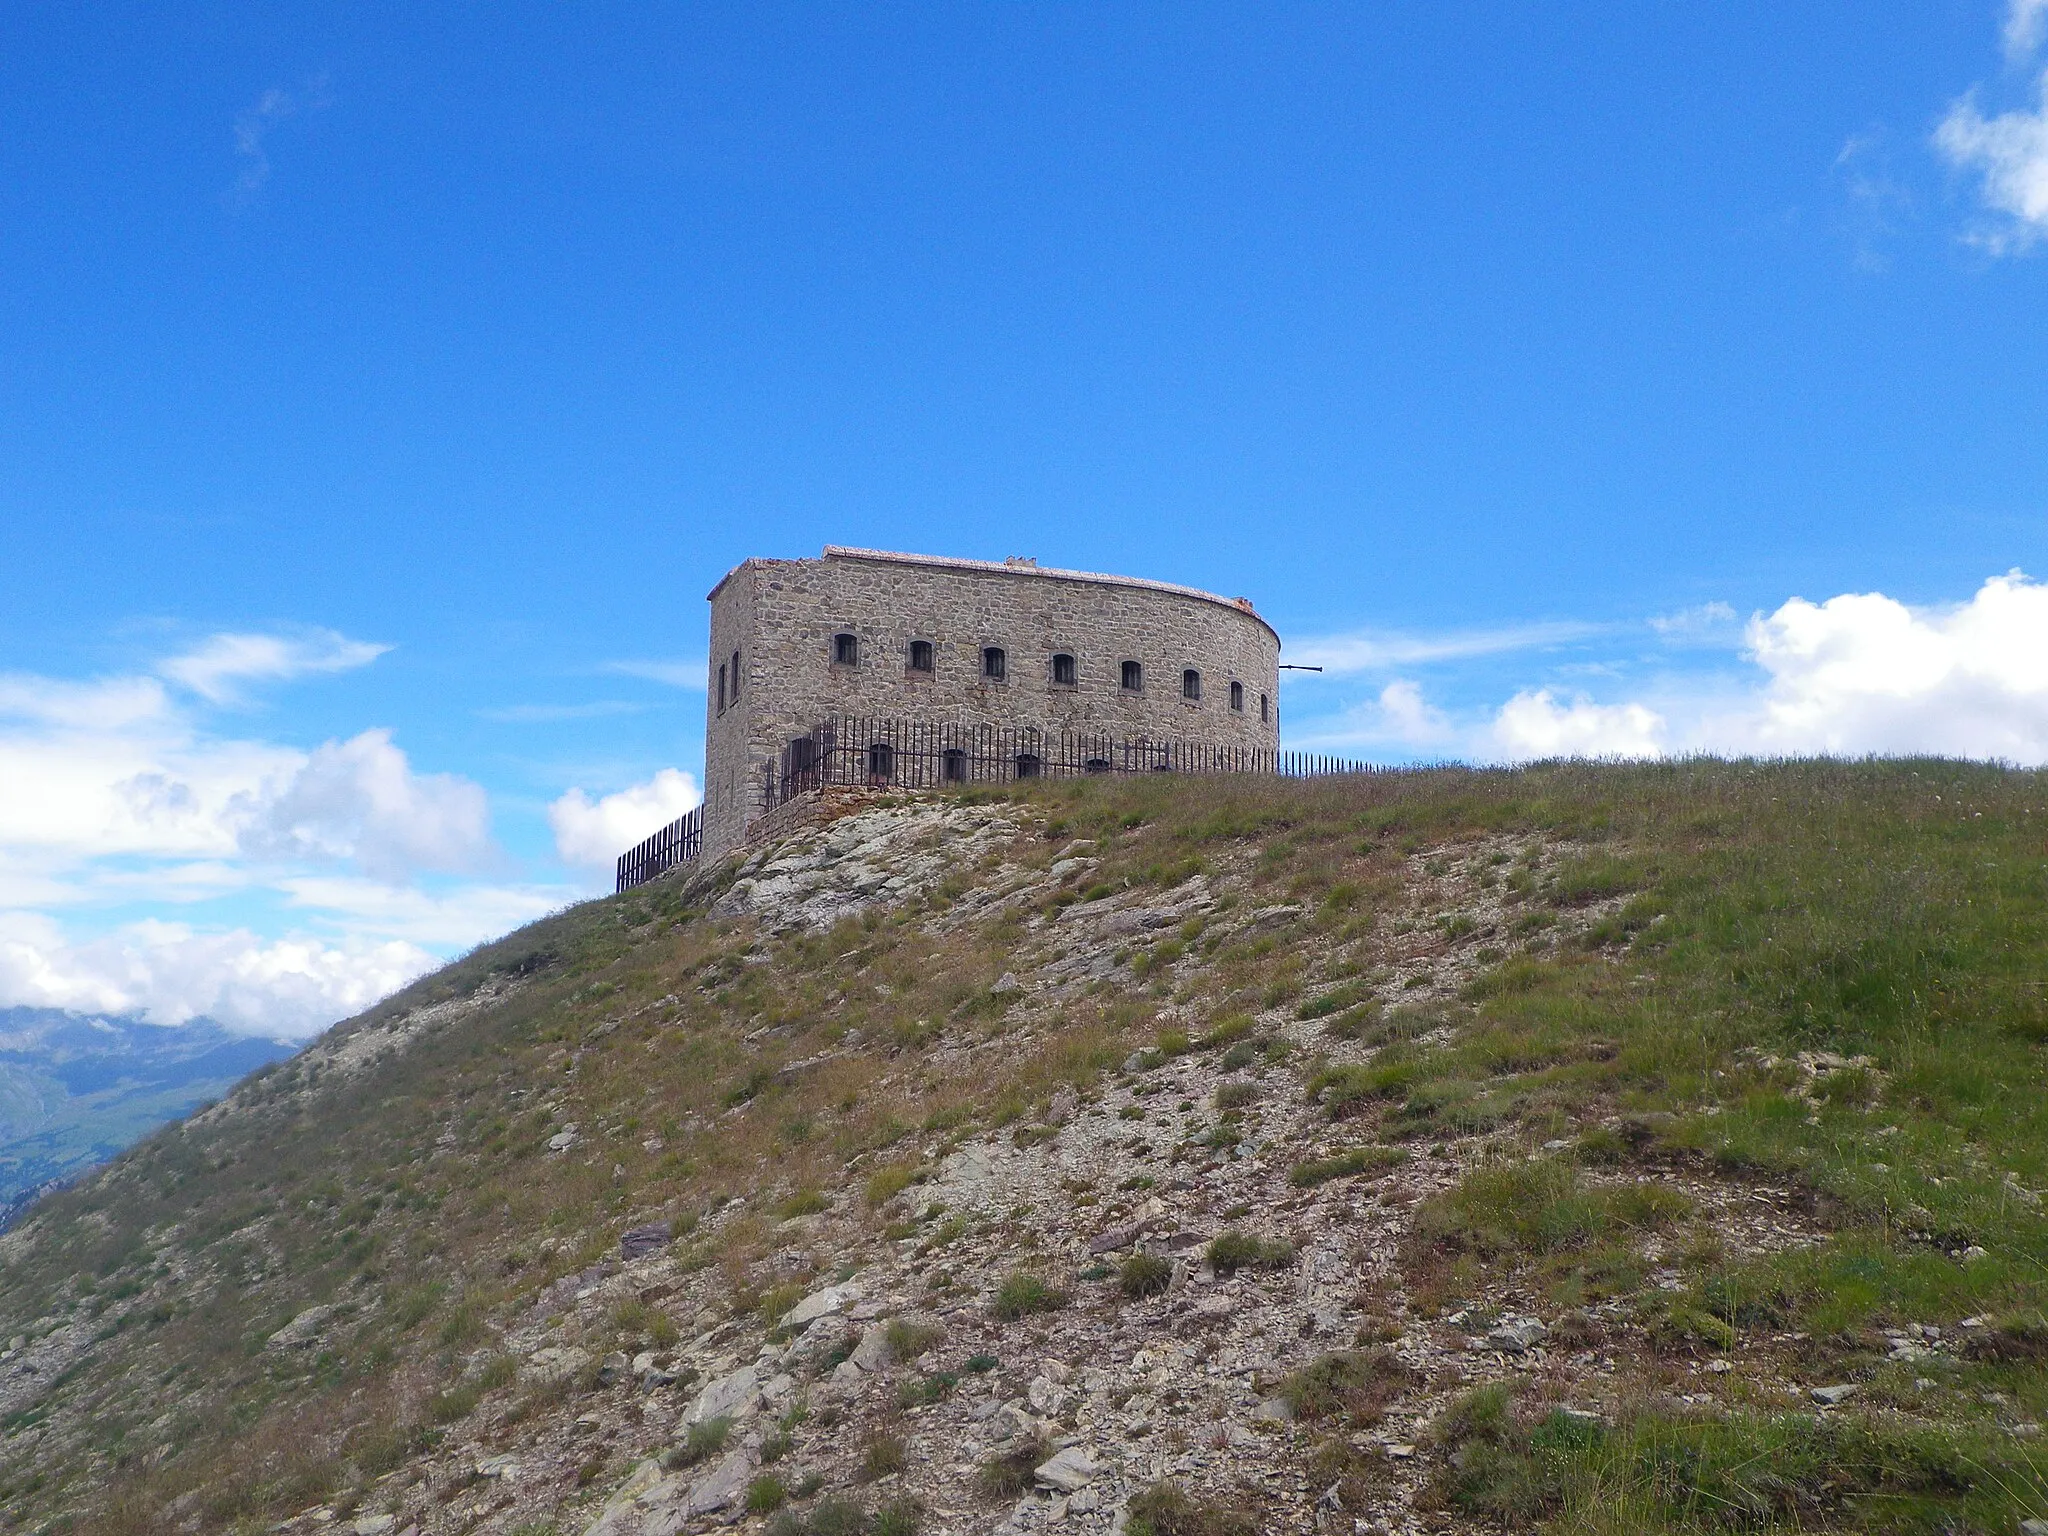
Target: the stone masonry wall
pixel 731 794
pixel 782 617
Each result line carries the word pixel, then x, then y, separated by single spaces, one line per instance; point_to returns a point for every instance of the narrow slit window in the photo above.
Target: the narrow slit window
pixel 721 687
pixel 735 677
pixel 1265 710
pixel 845 650
pixel 1133 677
pixel 1191 684
pixel 1064 671
pixel 995 663
pixel 1237 697
pixel 920 656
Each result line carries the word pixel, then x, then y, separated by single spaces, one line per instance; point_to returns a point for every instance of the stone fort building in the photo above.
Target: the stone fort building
pixel 977 644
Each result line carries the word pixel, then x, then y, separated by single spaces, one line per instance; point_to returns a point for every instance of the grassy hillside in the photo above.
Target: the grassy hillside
pixel 1608 1015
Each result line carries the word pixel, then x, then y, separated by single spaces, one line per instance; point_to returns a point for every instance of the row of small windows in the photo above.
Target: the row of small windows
pixel 1066 673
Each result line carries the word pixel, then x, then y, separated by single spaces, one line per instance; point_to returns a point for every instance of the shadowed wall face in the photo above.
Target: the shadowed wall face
pixel 969 643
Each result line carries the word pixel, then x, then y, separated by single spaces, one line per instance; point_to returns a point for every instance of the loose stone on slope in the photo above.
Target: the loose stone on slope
pixel 638 1242
pixel 1516 1335
pixel 301 1330
pixel 732 1396
pixel 821 1303
pixel 722 1487
pixel 1069 1471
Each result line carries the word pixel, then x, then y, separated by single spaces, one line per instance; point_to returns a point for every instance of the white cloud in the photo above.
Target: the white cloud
pixel 1533 724
pixel 594 833
pixel 360 800
pixel 1399 718
pixel 1708 621
pixel 286 987
pixel 253 128
pixel 213 670
pixel 1865 673
pixel 1369 652
pixel 458 918
pixel 153 788
pixel 2026 21
pixel 164 791
pixel 2009 153
pixel 688 673
pixel 106 704
pixel 1408 716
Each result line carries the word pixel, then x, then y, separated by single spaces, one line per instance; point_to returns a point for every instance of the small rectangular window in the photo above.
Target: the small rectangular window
pixel 1265 710
pixel 920 656
pixel 1131 677
pixel 1063 670
pixel 1237 697
pixel 995 665
pixel 1191 684
pixel 845 650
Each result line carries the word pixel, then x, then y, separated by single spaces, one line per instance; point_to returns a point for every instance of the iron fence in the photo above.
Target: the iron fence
pixel 674 844
pixel 855 752
pixel 912 754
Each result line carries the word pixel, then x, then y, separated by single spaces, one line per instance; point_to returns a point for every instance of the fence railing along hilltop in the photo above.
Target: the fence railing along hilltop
pixel 856 752
pixel 676 843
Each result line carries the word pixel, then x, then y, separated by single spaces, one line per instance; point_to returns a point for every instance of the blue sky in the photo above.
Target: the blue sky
pixel 381 389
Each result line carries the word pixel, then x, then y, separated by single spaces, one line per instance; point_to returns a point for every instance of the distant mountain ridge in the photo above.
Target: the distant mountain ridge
pixel 75 1089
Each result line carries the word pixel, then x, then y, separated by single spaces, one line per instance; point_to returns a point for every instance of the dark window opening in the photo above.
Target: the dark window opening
pixel 1133 677
pixel 721 687
pixel 1265 710
pixel 800 762
pixel 735 677
pixel 953 765
pixel 1029 765
pixel 1237 697
pixel 995 665
pixel 1096 765
pixel 920 656
pixel 845 651
pixel 881 761
pixel 1063 670
pixel 1191 684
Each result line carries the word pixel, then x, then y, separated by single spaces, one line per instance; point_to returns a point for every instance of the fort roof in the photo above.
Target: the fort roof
pixel 1017 566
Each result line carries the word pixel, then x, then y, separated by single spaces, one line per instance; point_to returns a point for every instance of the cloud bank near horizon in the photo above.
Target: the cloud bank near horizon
pixel 156 865
pixel 1856 674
